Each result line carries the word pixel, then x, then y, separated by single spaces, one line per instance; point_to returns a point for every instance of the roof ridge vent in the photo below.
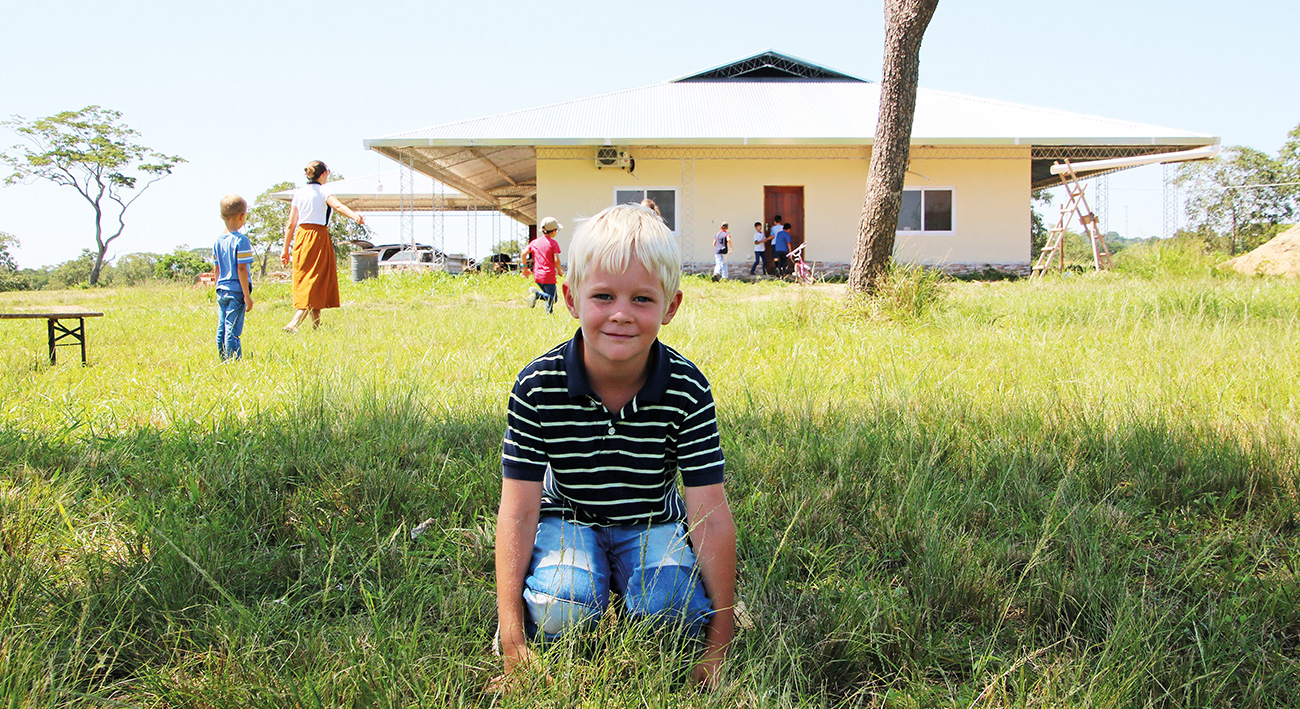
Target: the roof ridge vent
pixel 769 66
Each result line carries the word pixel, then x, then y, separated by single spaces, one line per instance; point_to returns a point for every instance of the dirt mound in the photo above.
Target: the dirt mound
pixel 1279 256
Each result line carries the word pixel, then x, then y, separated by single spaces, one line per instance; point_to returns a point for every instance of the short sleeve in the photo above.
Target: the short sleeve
pixel 522 454
pixel 244 252
pixel 699 447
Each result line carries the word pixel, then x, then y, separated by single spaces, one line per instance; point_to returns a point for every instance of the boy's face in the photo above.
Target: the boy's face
pixel 620 315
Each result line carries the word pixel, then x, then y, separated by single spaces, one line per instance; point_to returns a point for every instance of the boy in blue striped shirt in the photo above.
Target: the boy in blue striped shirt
pixel 599 429
pixel 233 253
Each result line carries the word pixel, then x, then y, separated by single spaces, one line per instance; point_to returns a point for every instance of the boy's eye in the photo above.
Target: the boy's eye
pixel 602 296
pixel 643 299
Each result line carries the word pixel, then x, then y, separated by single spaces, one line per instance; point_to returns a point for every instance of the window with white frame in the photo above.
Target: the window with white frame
pixel 665 199
pixel 927 210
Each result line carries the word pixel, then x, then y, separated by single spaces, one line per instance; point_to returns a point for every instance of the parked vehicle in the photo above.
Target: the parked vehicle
pixel 401 257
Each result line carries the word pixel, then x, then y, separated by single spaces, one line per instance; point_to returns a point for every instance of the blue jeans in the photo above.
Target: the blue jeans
pixel 758 261
pixel 548 289
pixel 230 323
pixel 574 567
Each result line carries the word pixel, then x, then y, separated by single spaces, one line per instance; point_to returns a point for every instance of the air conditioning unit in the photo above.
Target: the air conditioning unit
pixel 613 157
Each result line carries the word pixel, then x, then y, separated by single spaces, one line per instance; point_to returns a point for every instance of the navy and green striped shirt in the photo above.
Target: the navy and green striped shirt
pixel 607 469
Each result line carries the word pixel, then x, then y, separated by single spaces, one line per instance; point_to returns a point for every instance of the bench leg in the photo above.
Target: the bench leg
pixel 78 335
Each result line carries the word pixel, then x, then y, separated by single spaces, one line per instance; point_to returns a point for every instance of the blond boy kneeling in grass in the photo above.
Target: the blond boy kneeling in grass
pixel 599 429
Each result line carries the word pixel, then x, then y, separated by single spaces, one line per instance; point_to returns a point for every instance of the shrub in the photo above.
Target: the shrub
pixel 181 263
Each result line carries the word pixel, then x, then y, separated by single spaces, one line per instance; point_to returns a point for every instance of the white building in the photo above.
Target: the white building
pixel 768 135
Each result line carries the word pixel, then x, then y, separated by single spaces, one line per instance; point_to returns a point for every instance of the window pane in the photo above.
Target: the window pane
pixel 626 196
pixel 666 200
pixel 909 215
pixel 938 210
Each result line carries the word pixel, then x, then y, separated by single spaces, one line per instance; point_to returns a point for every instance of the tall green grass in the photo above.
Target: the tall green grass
pixel 1076 492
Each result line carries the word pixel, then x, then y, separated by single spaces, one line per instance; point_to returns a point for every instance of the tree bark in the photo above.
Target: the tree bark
pixel 905 24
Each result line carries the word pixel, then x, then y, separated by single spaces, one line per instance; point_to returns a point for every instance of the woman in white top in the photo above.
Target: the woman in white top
pixel 307 238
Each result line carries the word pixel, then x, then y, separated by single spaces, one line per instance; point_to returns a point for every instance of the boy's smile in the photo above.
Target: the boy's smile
pixel 620 315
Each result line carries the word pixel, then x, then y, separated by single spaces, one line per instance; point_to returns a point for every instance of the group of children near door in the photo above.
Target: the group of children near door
pixel 778 236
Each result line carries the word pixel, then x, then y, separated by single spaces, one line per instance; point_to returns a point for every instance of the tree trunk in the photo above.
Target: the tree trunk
pixel 98 265
pixel 905 23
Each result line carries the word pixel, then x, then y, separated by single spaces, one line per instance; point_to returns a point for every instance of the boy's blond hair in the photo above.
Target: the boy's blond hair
pixel 616 235
pixel 232 205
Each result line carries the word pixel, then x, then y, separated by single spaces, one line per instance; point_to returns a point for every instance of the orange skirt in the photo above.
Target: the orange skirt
pixel 315 272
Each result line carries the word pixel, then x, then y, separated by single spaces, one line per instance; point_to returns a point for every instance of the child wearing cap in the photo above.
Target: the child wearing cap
pixel 598 432
pixel 545 251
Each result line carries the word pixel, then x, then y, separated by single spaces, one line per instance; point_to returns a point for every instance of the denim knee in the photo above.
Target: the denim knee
pixel 662 579
pixel 671 593
pixel 568 585
pixel 559 599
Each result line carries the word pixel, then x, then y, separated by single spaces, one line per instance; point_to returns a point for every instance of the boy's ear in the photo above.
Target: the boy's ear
pixel 570 301
pixel 673 305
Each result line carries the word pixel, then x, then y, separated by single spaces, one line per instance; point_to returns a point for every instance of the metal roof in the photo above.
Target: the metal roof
pixel 782 113
pixel 736 109
pixel 382 192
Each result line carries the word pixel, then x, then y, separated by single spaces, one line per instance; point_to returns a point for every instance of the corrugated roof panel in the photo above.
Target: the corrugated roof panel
pixel 769 111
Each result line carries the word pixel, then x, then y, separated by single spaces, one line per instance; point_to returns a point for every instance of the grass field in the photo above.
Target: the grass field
pixel 1077 492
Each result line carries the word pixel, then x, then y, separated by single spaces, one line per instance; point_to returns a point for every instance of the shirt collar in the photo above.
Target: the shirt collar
pixel 656 385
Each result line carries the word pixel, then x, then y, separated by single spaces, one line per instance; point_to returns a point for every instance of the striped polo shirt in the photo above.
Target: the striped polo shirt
pixel 601 468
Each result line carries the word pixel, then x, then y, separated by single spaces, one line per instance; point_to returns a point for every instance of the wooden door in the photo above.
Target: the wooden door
pixel 786 200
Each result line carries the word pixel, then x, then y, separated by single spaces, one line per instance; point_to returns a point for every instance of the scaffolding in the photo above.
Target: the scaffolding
pixel 1170 200
pixel 406 218
pixel 686 216
pixel 1103 203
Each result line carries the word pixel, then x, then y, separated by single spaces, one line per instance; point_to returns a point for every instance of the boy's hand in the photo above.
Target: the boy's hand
pixel 284 258
pixel 248 303
pixel 707 673
pixel 517 654
pixel 519 660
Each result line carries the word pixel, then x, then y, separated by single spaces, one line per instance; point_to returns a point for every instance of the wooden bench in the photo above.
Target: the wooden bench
pixel 58 331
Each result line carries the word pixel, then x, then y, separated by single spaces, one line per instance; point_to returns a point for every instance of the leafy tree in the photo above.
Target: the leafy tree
pixel 1239 194
pixel 905 24
pixel 1289 158
pixel 511 247
pixel 7 262
pixel 1038 229
pixel 93 153
pixel 266 218
pixel 134 269
pixel 10 278
pixel 34 278
pixel 181 263
pixel 73 272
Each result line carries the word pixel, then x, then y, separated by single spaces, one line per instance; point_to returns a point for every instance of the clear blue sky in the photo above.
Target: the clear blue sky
pixel 248 92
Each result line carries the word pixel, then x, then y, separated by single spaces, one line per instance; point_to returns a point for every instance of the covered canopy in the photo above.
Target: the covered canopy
pixel 382 192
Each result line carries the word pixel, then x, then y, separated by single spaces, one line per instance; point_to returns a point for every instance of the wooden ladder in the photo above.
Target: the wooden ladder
pixel 1053 254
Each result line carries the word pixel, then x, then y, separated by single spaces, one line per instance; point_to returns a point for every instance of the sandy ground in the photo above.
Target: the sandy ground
pixel 1280 256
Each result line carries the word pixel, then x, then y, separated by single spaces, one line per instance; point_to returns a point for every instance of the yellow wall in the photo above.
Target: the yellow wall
pixel 990 213
pixel 990 210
